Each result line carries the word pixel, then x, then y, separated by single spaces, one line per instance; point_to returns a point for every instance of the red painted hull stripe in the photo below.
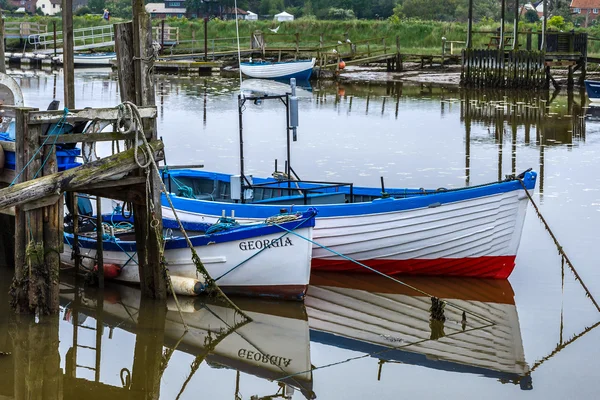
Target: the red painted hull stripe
pixel 497 267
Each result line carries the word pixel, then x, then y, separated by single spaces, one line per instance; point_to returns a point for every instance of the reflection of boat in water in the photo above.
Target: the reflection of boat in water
pixel 260 87
pixel 377 316
pixel 274 345
pixel 593 112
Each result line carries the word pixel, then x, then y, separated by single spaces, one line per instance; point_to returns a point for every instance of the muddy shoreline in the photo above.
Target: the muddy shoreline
pixel 449 75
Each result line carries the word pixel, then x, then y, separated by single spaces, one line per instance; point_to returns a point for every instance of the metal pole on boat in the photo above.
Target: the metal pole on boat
pixel 287 124
pixel 240 111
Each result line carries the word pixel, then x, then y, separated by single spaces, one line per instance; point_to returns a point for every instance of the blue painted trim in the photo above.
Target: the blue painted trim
pixel 352 209
pixel 242 232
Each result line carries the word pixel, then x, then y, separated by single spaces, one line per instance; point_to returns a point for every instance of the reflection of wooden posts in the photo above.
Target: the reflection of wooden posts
pixel 467 115
pixel 514 140
pixel 36 358
pixel 500 138
pixel 146 371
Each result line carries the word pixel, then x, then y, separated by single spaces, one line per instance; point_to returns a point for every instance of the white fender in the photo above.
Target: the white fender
pixel 12 85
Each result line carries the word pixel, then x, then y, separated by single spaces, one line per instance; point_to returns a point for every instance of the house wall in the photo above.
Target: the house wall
pixel 589 14
pixel 47 7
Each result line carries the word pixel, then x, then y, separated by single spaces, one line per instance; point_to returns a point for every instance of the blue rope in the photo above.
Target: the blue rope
pixel 266 247
pixel 222 224
pixel 60 123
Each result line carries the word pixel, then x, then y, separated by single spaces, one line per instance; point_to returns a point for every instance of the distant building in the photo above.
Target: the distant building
pixel 49 7
pixel 169 8
pixel 251 16
pixel 586 10
pixel 27 5
pixel 229 13
pixel 281 17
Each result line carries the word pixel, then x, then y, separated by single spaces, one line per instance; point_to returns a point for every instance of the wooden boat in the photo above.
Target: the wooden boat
pixel 273 346
pixel 91 59
pixel 470 232
pixel 244 259
pixel 301 70
pixel 376 316
pixel 593 90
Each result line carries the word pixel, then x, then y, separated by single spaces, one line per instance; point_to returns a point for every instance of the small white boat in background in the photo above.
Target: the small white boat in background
pixel 91 59
pixel 301 70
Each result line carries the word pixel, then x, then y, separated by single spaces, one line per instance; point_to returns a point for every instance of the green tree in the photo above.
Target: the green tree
pixel 531 16
pixel 428 9
pixel 96 6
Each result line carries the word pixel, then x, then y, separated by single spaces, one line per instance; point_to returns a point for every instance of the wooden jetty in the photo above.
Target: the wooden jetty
pixel 506 63
pixel 35 188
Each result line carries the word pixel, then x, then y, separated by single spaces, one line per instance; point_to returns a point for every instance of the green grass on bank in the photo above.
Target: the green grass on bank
pixel 415 36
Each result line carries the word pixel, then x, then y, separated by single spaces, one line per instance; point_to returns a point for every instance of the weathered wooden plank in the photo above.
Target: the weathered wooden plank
pixel 109 168
pixel 104 114
pixel 43 202
pixel 134 180
pixel 125 67
pixel 89 137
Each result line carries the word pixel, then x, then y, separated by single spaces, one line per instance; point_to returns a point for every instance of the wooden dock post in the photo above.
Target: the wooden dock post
pixel 38 236
pixel 137 84
pixel 2 60
pixel 68 67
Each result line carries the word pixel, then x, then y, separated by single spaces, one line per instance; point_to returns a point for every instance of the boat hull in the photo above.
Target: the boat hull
pixel 275 264
pixel 593 90
pixel 472 233
pixel 301 70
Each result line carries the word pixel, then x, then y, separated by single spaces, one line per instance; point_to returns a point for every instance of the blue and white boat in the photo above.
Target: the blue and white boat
pixel 261 259
pixel 300 70
pixel 469 232
pixel 593 90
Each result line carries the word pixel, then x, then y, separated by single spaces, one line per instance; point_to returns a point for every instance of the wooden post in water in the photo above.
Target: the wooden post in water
pixel 38 233
pixel 68 67
pixel 544 18
pixel 2 60
pixel 148 218
pixel 398 56
pixel 501 39
pixel 469 43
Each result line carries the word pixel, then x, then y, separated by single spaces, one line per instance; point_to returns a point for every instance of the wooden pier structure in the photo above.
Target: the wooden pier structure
pixel 34 191
pixel 505 62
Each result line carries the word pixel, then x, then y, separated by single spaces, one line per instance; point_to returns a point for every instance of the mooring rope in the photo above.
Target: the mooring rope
pixel 130 111
pixel 434 299
pixel 559 247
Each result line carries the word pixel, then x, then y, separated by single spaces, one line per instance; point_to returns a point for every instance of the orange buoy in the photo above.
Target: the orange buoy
pixel 341 91
pixel 342 65
pixel 111 271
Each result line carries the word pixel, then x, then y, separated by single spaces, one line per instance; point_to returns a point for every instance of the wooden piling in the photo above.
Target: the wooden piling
pixel 2 60
pixel 68 67
pixel 148 218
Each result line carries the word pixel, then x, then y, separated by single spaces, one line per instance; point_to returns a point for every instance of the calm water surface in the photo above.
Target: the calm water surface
pixel 534 336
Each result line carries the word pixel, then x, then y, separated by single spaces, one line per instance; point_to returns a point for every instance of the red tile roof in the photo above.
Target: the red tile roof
pixel 585 4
